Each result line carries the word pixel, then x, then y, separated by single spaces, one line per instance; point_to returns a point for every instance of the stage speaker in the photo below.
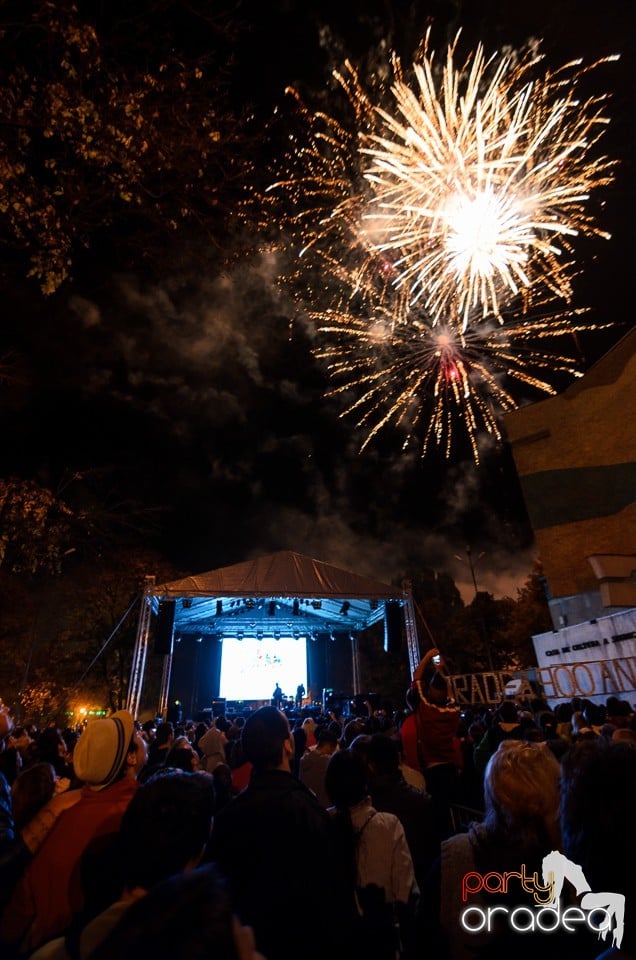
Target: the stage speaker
pixel 392 626
pixel 164 628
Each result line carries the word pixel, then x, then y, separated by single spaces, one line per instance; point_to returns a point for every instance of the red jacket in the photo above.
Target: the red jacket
pixel 49 891
pixel 437 731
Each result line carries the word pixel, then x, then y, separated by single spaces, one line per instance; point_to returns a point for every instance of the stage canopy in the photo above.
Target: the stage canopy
pixel 283 594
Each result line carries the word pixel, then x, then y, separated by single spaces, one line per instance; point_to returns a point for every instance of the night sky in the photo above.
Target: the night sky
pixel 192 395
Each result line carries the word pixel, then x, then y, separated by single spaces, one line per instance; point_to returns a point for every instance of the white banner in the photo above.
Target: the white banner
pixel 594 660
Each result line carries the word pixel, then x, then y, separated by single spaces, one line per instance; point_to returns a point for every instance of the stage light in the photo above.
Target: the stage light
pixel 199 639
pixel 219 607
pixel 296 608
pixel 344 609
pixel 332 637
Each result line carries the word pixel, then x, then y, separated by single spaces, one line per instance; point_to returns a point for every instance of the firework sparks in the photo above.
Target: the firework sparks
pixel 435 237
pixel 438 380
pixel 480 181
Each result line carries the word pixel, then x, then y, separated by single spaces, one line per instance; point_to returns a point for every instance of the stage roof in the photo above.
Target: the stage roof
pixel 284 593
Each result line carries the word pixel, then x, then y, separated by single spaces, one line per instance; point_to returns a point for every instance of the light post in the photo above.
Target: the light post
pixel 482 623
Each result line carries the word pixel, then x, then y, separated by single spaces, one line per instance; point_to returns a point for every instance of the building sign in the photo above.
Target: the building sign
pixel 595 659
pixel 595 680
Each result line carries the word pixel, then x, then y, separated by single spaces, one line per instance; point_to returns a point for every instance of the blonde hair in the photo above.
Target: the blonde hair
pixel 522 788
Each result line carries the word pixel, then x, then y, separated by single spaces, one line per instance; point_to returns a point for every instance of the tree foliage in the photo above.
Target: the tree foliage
pixel 35 527
pixel 68 642
pixel 111 120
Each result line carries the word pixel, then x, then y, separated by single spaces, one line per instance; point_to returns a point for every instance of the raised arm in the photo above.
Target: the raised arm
pixel 424 662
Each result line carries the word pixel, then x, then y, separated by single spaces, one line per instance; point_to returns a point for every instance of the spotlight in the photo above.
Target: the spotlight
pixel 219 607
pixel 344 609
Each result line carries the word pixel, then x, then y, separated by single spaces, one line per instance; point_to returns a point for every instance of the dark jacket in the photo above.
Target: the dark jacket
pixel 414 810
pixel 275 845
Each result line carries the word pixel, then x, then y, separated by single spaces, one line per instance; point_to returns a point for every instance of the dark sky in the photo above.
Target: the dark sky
pixel 195 395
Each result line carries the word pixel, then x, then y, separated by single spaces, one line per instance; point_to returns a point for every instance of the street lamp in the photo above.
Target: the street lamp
pixel 482 623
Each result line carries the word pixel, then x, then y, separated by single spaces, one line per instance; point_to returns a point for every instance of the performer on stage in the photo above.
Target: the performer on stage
pixel 300 693
pixel 277 697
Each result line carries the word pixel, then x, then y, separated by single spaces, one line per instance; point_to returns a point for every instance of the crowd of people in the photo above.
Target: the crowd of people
pixel 410 834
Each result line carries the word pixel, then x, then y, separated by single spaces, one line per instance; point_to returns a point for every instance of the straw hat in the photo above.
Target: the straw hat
pixel 100 752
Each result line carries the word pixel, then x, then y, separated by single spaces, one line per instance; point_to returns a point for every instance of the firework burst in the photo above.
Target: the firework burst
pixel 435 233
pixel 480 179
pixel 436 381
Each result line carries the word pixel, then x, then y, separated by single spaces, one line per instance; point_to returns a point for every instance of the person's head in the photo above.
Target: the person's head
pixel 326 740
pixel 31 790
pixel 507 712
pixel 383 757
pixel 624 734
pixel 521 792
pixel 346 779
pixel 360 745
pixel 594 714
pixel 20 739
pixel 352 730
pixel 149 730
pixel 51 745
pixel 563 712
pixel 164 735
pixel 437 690
pixel 109 749
pixel 183 757
pixel 166 826
pixel 186 917
pixel 266 740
